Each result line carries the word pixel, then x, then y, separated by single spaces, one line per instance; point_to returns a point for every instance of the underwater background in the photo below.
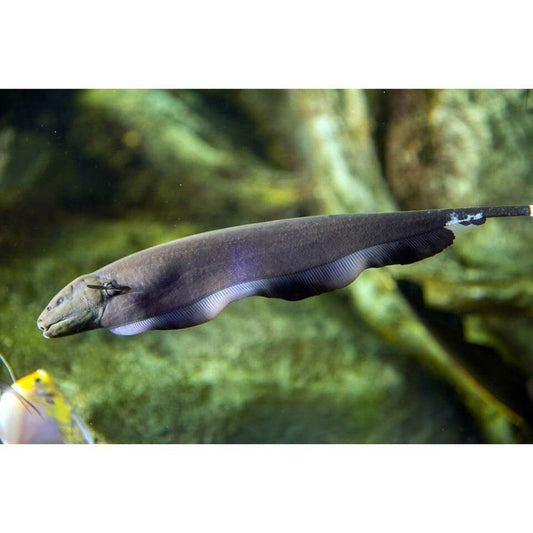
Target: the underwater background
pixel 435 352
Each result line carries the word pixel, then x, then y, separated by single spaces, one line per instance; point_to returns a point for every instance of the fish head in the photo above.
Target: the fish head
pixel 75 308
pixel 36 387
pixel 40 388
pixel 38 382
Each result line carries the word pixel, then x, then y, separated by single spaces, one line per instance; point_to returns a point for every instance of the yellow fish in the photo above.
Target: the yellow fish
pixel 34 411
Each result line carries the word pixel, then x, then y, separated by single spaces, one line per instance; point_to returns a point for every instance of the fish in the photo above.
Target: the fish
pixel 34 411
pixel 189 281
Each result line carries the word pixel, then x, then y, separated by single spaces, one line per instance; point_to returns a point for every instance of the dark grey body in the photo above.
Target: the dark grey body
pixel 189 281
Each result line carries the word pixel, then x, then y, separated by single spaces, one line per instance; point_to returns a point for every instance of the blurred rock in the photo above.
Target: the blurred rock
pixel 35 179
pixel 179 157
pixel 340 151
pixel 276 124
pixel 458 147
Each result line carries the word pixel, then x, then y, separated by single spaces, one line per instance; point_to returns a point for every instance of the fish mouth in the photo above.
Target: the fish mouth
pixel 67 325
pixel 55 329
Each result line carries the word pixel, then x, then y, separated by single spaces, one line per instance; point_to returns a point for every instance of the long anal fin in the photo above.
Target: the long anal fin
pixel 409 250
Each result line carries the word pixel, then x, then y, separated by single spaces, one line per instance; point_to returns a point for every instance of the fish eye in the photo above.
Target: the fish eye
pixel 60 300
pixel 38 380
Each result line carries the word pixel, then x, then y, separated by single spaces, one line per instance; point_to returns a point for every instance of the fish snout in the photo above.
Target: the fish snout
pixel 45 323
pixel 41 325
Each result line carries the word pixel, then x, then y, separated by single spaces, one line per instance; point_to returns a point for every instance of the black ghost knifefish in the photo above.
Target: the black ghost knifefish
pixel 187 282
